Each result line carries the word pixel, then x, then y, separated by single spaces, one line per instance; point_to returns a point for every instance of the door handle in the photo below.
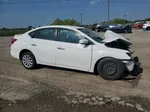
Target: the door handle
pixel 60 48
pixel 33 44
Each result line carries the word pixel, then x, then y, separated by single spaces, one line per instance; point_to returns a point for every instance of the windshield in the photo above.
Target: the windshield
pixel 92 34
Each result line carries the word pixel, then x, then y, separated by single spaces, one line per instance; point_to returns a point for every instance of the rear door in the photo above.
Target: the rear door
pixel 43 45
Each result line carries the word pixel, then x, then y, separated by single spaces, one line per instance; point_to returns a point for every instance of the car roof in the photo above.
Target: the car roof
pixel 61 26
pixel 57 26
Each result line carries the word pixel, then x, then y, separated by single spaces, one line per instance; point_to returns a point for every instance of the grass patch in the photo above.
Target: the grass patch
pixel 12 32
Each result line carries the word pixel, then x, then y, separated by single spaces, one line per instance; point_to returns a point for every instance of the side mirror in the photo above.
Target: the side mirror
pixel 84 41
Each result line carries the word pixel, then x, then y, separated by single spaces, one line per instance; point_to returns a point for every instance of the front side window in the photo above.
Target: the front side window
pixel 69 36
pixel 47 34
pixel 92 34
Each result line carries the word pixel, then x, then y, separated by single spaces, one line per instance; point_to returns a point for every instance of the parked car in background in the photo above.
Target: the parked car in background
pixel 119 28
pixel 115 28
pixel 99 27
pixel 137 25
pixel 146 26
pixel 76 48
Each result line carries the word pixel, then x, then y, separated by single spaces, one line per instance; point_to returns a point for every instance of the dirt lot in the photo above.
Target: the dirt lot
pixel 50 89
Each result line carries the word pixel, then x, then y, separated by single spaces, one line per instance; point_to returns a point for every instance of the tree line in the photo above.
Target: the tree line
pixel 73 22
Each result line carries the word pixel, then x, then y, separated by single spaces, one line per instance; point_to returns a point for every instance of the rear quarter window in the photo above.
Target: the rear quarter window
pixel 32 34
pixel 45 33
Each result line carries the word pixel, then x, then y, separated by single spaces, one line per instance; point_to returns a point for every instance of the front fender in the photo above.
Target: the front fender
pixel 108 53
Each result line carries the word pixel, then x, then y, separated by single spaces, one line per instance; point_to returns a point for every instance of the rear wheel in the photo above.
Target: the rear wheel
pixel 148 28
pixel 110 69
pixel 129 30
pixel 125 31
pixel 28 60
pixel 97 30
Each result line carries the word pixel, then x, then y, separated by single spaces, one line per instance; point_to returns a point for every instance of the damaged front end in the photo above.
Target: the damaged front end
pixel 119 44
pixel 133 66
pixel 113 40
pixel 137 67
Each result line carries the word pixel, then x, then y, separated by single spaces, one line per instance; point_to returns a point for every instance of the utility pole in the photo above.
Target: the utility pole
pixel 125 17
pixel 130 20
pixel 108 9
pixel 81 14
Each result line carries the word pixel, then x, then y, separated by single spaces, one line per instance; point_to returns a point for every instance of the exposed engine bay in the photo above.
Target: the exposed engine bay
pixel 120 44
pixel 115 40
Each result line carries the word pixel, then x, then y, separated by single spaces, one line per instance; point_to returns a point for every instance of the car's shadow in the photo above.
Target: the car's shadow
pixel 133 80
pixel 127 78
pixel 65 69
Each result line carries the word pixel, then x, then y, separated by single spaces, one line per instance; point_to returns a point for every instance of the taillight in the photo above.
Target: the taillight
pixel 13 40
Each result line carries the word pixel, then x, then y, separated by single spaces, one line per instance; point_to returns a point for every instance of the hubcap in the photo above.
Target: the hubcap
pixel 27 61
pixel 110 68
pixel 126 31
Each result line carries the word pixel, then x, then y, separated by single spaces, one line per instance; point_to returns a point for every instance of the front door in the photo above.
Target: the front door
pixel 71 54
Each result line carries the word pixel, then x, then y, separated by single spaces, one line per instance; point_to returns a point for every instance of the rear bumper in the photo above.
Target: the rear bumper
pixel 144 27
pixel 14 53
pixel 133 67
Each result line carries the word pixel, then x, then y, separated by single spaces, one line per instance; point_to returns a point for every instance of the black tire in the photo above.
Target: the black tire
pixel 97 30
pixel 125 31
pixel 31 58
pixel 93 29
pixel 110 69
pixel 130 30
pixel 148 28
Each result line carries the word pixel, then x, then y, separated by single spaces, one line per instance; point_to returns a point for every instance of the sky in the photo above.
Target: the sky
pixel 23 13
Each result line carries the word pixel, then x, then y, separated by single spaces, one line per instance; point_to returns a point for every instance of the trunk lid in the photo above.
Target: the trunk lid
pixel 17 36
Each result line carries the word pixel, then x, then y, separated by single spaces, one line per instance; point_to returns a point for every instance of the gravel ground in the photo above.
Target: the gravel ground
pixel 50 102
pixel 22 88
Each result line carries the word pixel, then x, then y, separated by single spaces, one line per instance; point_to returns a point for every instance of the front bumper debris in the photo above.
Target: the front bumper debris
pixel 137 67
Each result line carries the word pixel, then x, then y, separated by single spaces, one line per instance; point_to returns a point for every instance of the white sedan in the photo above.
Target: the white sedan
pixel 76 48
pixel 146 26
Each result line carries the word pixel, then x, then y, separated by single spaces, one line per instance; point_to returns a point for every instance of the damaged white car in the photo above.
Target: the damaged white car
pixel 76 48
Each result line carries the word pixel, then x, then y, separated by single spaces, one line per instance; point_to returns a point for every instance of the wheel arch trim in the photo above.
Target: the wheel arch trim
pixel 26 50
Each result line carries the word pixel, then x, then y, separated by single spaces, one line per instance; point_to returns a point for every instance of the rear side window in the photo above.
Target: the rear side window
pixel 46 34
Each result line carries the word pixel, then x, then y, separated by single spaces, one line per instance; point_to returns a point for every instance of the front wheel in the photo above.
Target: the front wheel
pixel 110 68
pixel 28 60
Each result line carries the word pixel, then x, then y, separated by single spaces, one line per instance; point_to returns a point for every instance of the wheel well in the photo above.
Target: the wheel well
pixel 23 51
pixel 148 28
pixel 95 67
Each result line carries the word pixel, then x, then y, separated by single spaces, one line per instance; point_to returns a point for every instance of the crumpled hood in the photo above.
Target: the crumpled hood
pixel 110 36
